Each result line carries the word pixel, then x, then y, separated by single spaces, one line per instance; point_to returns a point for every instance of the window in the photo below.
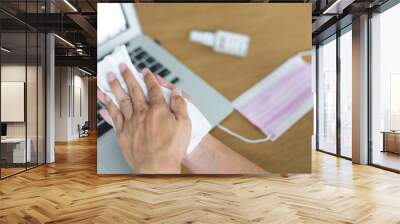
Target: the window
pixel 334 138
pixel 394 102
pixel 327 96
pixel 385 89
pixel 346 93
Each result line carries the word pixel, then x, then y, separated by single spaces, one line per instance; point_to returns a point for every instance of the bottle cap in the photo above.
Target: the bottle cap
pixel 205 38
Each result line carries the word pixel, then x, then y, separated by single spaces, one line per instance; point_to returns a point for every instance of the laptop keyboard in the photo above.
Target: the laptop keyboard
pixel 141 59
pixel 102 125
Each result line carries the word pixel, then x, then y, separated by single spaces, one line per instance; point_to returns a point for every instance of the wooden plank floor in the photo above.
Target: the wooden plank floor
pixel 69 191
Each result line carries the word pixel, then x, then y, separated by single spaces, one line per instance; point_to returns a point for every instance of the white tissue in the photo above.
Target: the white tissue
pixel 200 125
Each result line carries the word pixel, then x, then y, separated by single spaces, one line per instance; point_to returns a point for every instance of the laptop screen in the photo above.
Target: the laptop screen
pixel 117 24
pixel 110 21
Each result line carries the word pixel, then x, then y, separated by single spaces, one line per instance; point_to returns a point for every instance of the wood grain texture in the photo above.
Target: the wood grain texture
pixel 277 32
pixel 70 191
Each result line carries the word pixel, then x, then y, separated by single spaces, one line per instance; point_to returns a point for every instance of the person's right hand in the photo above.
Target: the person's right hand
pixel 210 156
pixel 153 136
pixel 161 81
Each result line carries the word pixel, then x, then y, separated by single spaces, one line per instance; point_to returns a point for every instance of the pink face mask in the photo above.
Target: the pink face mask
pixel 278 101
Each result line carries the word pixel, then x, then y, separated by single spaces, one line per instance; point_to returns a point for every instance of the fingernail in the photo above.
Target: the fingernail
pixel 145 71
pixel 122 67
pixel 104 114
pixel 177 92
pixel 163 82
pixel 110 77
pixel 106 98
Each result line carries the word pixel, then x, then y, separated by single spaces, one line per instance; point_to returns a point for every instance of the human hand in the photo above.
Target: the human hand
pixel 164 83
pixel 153 136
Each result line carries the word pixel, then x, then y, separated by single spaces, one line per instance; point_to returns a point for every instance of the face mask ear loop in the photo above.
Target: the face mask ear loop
pixel 244 139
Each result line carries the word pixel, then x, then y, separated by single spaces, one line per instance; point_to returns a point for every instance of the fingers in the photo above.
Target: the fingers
pixel 156 96
pixel 178 106
pixel 124 101
pixel 170 86
pixel 135 91
pixel 116 115
pixel 165 83
pixel 106 116
pixel 101 96
pixel 103 112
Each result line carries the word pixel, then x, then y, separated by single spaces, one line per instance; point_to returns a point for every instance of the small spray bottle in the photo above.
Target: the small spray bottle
pixel 223 41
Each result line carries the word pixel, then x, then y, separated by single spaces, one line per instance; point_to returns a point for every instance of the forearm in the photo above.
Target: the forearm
pixel 213 157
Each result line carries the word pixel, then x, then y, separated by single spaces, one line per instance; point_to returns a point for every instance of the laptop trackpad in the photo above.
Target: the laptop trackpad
pixel 109 157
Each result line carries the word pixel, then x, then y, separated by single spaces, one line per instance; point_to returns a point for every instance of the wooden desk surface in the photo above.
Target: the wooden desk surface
pixel 277 31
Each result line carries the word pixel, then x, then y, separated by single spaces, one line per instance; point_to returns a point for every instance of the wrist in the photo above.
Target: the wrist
pixel 160 167
pixel 202 152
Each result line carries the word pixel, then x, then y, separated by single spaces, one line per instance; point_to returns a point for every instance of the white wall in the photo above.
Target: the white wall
pixel 16 73
pixel 12 73
pixel 69 82
pixel 61 103
pixel 33 126
pixel 81 82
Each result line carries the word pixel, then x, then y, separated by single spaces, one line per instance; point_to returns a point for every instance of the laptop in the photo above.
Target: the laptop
pixel 118 24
